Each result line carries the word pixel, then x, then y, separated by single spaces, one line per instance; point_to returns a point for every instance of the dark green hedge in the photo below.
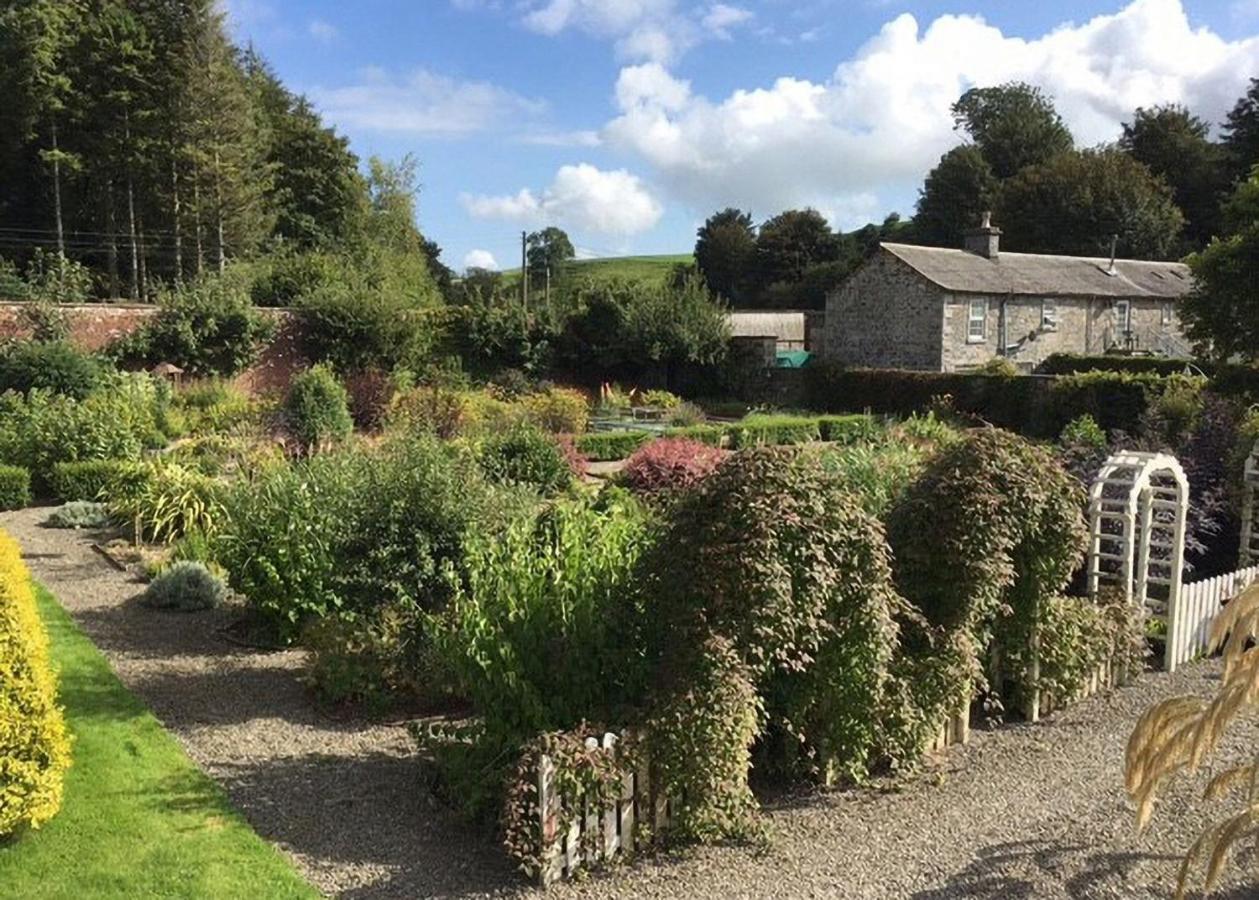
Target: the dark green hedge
pixel 15 487
pixel 1037 406
pixel 1069 363
pixel 763 431
pixel 604 446
pixel 86 479
pixel 713 435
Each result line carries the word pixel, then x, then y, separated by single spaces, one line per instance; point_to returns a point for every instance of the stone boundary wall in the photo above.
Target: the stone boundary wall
pixel 93 326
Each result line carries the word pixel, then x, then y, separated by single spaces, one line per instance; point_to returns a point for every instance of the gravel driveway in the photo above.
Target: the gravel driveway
pixel 1026 811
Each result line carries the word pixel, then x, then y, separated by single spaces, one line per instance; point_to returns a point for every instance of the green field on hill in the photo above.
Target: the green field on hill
pixel 636 268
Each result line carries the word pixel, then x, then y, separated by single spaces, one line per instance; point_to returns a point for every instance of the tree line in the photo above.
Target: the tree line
pixel 137 139
pixel 1162 190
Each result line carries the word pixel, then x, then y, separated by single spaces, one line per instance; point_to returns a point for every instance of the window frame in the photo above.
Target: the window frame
pixel 1049 314
pixel 981 320
pixel 1123 313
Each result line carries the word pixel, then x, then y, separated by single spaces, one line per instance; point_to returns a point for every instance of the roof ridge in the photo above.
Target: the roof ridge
pixel 1104 260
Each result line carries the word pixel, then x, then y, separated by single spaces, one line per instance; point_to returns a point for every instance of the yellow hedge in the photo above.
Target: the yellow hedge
pixel 34 744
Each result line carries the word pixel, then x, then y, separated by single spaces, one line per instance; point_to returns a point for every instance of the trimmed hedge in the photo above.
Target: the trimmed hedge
pixel 606 446
pixel 15 487
pixel 1071 363
pixel 762 431
pixel 34 743
pixel 713 435
pixel 87 479
pixel 1036 406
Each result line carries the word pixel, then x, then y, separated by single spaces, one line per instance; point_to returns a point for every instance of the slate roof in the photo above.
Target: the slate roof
pixel 959 271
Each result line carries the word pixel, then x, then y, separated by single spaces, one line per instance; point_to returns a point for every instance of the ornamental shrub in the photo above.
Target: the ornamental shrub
pixel 605 446
pixel 15 487
pixel 526 456
pixel 350 531
pixel 185 586
pixel 778 559
pixel 317 409
pixel 557 410
pixel 79 514
pixel 116 422
pixel 207 326
pixel 34 743
pixel 669 465
pixel 88 479
pixel 54 366
pixel 370 395
pixel 1083 431
pixel 165 501
pixel 984 540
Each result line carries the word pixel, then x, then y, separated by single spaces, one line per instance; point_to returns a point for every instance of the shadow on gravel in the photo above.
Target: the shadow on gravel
pixel 370 812
pixel 1024 869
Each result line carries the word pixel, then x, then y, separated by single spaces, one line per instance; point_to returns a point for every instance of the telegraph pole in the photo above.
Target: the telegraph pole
pixel 524 271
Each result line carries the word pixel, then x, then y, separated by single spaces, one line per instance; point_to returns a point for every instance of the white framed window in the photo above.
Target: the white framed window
pixel 1123 315
pixel 1049 314
pixel 977 321
pixel 1165 317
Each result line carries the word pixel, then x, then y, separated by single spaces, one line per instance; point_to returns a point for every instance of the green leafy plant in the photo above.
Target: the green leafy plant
pixel 526 456
pixel 207 327
pixel 80 514
pixel 318 409
pixel 185 586
pixel 1083 431
pixel 15 487
pixel 166 501
pixel 557 410
pixel 55 366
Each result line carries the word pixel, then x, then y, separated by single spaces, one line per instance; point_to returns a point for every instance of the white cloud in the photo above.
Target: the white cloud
pixel 641 29
pixel 882 119
pixel 324 32
pixel 562 139
pixel 721 17
pixel 581 197
pixel 480 259
pixel 422 103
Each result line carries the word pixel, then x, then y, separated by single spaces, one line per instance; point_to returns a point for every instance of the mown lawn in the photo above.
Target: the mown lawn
pixel 139 819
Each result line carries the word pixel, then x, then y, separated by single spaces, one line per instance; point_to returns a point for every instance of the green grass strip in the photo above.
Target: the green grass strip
pixel 139 819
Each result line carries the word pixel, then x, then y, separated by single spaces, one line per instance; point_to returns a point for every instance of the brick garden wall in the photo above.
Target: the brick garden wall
pixel 94 326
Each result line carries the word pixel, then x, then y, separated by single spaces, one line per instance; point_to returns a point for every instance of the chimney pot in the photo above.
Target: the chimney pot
pixel 985 240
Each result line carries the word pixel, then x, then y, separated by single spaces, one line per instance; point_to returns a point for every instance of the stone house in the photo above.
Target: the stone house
pixel 946 310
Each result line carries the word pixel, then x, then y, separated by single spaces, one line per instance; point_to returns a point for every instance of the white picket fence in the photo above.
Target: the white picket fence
pixel 1189 619
pixel 600 829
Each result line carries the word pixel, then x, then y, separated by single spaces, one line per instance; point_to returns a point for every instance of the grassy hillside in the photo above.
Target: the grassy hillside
pixel 644 268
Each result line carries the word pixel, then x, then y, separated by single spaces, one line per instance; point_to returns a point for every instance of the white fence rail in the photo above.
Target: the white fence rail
pixel 1189 620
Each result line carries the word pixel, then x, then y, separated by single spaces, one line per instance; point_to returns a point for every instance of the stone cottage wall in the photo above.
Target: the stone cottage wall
pixel 94 326
pixel 1087 325
pixel 885 316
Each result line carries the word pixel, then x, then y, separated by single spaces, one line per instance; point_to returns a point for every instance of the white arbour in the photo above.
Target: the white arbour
pixel 1248 553
pixel 1137 509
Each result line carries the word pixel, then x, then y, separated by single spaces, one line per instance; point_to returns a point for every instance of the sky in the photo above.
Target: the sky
pixel 628 122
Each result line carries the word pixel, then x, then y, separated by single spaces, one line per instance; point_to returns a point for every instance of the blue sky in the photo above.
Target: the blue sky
pixel 627 122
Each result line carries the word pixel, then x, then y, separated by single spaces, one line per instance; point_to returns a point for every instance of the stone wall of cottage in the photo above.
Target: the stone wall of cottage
pixel 885 316
pixel 1090 325
pixel 94 326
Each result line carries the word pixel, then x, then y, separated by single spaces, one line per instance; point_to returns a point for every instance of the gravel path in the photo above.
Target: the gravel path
pixel 1022 812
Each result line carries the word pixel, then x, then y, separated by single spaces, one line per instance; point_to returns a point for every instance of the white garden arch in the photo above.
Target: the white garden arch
pixel 1248 553
pixel 1137 509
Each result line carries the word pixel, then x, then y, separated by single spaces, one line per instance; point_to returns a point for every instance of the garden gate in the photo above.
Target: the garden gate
pixel 1137 509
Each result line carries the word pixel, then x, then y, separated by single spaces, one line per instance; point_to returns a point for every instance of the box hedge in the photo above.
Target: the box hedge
pixel 89 479
pixel 15 487
pixel 762 431
pixel 713 435
pixel 605 446
pixel 34 743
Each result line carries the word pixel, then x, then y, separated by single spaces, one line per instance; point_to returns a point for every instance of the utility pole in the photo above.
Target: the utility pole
pixel 524 270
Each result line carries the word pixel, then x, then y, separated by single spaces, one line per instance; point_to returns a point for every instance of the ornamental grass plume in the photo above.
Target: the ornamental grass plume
pixel 1177 735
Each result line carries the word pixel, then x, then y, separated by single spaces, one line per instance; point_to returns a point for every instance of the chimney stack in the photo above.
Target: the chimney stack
pixel 985 240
